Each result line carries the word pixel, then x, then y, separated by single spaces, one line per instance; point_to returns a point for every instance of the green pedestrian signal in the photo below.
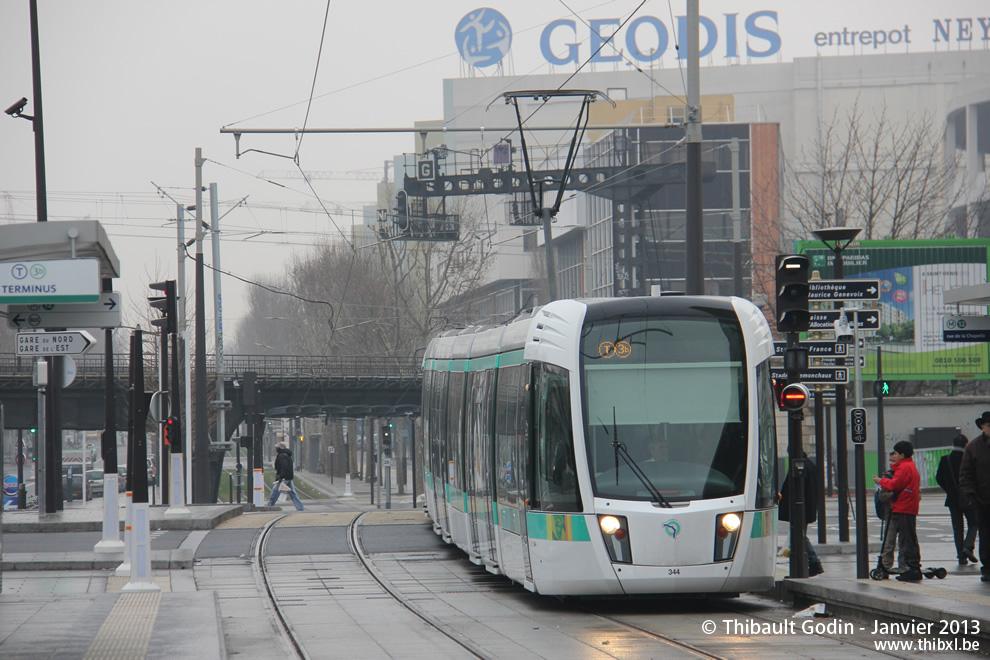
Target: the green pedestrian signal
pixel 881 388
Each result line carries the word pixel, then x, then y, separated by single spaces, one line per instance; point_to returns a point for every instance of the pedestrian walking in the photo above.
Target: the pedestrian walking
pixel 905 485
pixel 810 513
pixel 283 476
pixel 962 515
pixel 974 482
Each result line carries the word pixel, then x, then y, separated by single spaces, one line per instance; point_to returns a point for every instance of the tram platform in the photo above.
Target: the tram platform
pixel 69 612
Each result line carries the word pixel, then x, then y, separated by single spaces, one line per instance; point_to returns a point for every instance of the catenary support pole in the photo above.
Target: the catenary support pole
pixel 737 242
pixel 694 257
pixel 201 433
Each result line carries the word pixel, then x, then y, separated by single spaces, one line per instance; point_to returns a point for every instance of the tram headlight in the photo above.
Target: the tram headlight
pixel 615 533
pixel 731 522
pixel 609 524
pixel 727 526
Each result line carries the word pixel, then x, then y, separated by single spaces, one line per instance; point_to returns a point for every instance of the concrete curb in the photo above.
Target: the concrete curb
pixel 89 561
pixel 876 600
pixel 30 522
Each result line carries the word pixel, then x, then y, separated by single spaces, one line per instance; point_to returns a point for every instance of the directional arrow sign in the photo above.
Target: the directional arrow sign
pixel 815 348
pixel 813 375
pixel 866 319
pixel 844 290
pixel 75 342
pixel 52 281
pixel 104 313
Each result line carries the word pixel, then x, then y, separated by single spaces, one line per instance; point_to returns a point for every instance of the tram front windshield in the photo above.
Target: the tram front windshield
pixel 672 392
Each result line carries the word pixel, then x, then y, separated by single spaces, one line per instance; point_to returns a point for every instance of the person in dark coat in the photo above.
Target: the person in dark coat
pixel 974 483
pixel 283 476
pixel 810 512
pixel 962 515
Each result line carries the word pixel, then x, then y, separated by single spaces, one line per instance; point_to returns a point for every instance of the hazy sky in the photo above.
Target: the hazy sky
pixel 131 88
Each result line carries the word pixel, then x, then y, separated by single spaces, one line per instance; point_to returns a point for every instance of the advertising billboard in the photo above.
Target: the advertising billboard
pixel 913 276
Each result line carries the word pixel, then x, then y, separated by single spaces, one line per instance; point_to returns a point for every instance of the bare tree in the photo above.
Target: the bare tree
pixel 889 178
pixel 381 299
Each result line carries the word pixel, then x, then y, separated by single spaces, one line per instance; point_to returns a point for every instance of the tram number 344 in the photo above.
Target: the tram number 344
pixel 673 571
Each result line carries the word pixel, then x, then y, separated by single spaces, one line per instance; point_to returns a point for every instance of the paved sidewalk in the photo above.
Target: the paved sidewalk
pixel 74 611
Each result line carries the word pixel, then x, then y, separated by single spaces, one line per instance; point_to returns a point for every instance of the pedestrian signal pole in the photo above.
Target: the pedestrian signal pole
pixel 794 317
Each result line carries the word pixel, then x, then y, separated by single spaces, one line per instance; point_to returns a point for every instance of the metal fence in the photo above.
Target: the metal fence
pixel 266 366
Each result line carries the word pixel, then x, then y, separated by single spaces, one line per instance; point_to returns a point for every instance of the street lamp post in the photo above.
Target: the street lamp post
pixel 838 239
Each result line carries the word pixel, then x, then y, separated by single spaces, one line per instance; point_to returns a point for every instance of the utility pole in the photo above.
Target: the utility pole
pixel 694 247
pixel 737 265
pixel 201 432
pixel 217 311
pixel 41 187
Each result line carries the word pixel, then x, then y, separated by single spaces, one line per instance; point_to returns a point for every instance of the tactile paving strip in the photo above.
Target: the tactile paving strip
pixel 127 630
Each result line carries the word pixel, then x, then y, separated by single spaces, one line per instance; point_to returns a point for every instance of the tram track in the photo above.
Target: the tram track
pixel 420 608
pixel 261 577
pixel 354 541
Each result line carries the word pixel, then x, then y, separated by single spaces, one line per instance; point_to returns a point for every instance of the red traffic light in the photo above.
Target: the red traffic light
pixel 793 397
pixel 170 428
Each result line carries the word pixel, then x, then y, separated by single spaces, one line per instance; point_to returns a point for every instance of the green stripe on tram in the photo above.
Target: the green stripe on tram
pixel 476 364
pixel 510 358
pixel 483 363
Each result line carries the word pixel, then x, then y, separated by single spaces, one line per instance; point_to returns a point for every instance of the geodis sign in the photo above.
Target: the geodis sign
pixel 484 36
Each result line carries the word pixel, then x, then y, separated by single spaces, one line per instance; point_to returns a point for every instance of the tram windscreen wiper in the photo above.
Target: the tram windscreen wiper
pixel 620 450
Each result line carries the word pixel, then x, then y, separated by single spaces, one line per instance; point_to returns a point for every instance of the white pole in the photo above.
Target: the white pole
pixel 218 310
pixel 125 568
pixel 140 551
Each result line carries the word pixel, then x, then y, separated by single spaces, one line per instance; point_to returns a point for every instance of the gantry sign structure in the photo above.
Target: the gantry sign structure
pixel 624 167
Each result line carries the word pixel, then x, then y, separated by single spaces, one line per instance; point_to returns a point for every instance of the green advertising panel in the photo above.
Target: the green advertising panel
pixel 913 276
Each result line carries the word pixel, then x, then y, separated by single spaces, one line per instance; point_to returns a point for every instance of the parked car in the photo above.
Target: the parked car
pixel 94 482
pixel 75 488
pixel 152 471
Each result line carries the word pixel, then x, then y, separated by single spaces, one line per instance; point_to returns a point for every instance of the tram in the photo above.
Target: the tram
pixel 608 446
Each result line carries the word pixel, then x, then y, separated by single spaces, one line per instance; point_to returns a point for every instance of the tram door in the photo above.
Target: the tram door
pixel 480 390
pixel 438 452
pixel 512 466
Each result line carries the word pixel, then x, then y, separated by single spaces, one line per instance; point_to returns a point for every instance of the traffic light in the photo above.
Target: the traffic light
pixel 172 431
pixel 793 314
pixel 166 305
pixel 387 438
pixel 791 397
pixel 881 388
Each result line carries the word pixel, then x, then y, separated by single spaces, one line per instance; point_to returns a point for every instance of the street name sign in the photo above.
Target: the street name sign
pixel 51 281
pixel 866 319
pixel 104 313
pixel 815 348
pixel 75 342
pixel 843 290
pixel 965 328
pixel 822 375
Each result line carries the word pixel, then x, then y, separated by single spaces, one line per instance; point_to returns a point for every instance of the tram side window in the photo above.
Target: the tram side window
pixel 556 475
pixel 766 479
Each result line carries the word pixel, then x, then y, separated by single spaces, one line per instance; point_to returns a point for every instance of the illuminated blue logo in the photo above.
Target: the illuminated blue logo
pixel 483 37
pixel 673 528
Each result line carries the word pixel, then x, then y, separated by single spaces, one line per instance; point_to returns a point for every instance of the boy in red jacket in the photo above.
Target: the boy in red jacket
pixel 905 484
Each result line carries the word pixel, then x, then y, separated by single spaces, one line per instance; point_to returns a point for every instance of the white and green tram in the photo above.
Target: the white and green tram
pixel 608 446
